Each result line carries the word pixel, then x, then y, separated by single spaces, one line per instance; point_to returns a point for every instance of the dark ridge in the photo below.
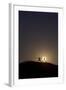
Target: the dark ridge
pixel 31 69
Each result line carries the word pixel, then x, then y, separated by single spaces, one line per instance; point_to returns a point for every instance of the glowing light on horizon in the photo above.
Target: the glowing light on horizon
pixel 44 59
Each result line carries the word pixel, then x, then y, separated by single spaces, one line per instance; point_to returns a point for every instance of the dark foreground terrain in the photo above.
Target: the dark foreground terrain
pixel 33 69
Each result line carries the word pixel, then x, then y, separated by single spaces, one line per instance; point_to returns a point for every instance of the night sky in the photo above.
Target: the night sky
pixel 38 36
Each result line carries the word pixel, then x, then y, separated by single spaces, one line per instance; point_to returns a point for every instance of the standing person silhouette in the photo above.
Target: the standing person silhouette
pixel 39 59
pixel 44 59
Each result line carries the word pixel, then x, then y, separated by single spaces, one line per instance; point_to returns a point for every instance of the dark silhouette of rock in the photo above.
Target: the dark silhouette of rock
pixel 31 69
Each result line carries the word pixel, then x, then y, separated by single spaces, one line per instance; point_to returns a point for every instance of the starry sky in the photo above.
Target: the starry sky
pixel 38 36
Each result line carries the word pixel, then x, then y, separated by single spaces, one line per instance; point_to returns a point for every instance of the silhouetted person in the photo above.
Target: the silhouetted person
pixel 44 59
pixel 39 59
